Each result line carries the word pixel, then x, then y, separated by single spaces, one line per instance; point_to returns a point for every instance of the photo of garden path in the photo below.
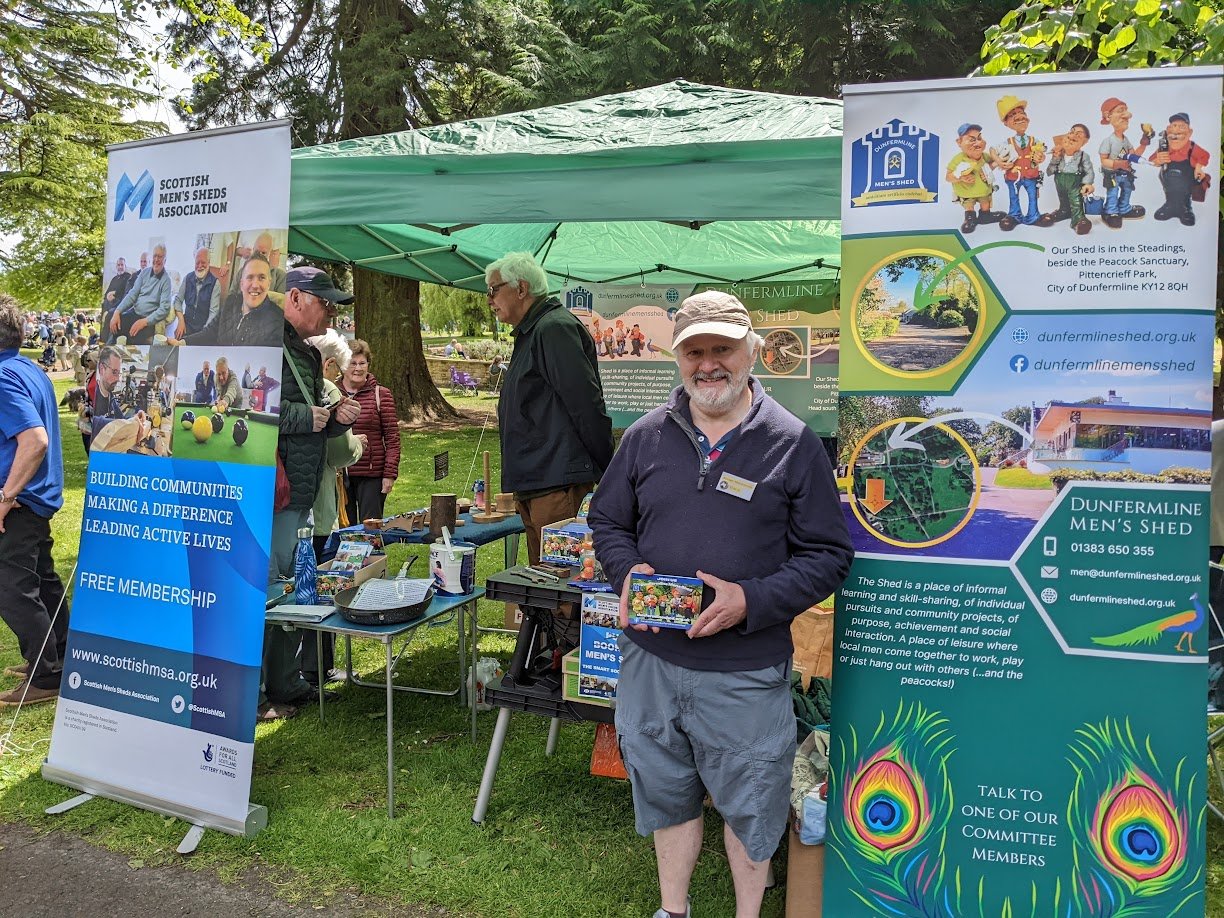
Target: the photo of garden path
pixel 912 316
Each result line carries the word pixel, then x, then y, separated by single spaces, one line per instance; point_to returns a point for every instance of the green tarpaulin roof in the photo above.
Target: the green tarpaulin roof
pixel 604 188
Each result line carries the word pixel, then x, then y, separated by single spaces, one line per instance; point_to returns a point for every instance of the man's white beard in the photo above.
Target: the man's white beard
pixel 717 403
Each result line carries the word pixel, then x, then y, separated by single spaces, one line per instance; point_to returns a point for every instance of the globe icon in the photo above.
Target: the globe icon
pixel 673 295
pixel 1049 595
pixel 1020 335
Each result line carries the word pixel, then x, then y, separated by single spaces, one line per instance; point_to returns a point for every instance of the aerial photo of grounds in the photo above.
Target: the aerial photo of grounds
pixel 917 494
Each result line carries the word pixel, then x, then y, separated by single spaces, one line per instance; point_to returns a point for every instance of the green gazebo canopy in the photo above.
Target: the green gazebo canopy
pixel 680 182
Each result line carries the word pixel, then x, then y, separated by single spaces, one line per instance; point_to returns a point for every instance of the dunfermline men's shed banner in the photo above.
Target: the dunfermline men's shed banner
pixel 631 325
pixel 1029 274
pixel 161 677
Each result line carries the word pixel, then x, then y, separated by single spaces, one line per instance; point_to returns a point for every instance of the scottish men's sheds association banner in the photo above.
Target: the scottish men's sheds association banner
pixel 1029 272
pixel 161 675
pixel 632 326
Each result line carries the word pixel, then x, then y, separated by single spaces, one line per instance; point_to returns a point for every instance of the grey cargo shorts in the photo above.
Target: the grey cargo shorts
pixel 684 732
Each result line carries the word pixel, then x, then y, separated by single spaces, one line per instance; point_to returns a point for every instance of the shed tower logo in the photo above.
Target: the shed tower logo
pixel 894 164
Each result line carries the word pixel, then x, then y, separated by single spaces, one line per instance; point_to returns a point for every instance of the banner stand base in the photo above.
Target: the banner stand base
pixel 68 804
pixel 256 818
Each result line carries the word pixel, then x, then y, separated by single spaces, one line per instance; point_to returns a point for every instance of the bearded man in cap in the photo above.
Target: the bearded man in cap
pixel 723 484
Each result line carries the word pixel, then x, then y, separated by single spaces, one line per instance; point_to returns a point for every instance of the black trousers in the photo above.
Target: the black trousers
pixel 33 592
pixel 365 499
pixel 126 321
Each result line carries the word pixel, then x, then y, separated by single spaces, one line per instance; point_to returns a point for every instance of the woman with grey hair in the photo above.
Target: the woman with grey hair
pixel 341 453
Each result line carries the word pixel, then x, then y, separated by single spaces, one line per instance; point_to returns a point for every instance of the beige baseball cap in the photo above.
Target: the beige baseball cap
pixel 711 312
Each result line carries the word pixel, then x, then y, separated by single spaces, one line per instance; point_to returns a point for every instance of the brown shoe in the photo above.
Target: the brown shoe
pixel 1113 221
pixel 22 670
pixel 1046 220
pixel 1083 227
pixel 23 695
pixel 279 711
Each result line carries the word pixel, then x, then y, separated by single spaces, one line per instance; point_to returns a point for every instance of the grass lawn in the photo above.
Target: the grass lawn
pixel 557 842
pixel 1022 478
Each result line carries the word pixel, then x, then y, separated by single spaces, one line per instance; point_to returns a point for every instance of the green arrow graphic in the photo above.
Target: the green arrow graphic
pixel 923 299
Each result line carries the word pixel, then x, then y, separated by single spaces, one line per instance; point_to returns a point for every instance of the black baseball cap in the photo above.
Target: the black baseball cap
pixel 318 282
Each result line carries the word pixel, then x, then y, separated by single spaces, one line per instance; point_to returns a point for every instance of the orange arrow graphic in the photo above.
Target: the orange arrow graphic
pixel 875 501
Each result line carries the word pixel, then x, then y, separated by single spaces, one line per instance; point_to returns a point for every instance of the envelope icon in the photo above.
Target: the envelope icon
pixel 1049 572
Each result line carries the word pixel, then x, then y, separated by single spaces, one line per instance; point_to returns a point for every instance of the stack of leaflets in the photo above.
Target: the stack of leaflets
pixel 351 556
pixel 663 601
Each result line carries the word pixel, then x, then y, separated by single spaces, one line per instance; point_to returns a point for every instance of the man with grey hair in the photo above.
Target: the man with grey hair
pixel 556 436
pixel 722 484
pixel 199 297
pixel 31 491
pixel 229 393
pixel 146 303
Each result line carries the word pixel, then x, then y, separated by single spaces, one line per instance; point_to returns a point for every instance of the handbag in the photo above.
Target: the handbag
pixel 281 500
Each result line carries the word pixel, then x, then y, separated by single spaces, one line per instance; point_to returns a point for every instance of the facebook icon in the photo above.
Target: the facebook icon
pixel 1019 363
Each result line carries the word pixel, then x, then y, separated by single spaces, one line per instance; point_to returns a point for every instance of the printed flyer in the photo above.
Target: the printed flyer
pixel 632 325
pixel 598 653
pixel 161 677
pixel 1029 273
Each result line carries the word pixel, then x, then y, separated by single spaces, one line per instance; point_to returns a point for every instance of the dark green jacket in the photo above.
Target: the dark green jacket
pixel 555 430
pixel 301 449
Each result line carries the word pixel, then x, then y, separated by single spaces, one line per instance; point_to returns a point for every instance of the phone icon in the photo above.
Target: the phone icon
pixel 1049 546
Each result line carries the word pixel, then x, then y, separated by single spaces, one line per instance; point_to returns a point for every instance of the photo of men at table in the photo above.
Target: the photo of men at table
pixel 250 311
pixel 133 399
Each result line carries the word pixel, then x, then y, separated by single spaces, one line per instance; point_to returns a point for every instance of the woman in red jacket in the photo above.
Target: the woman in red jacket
pixel 373 475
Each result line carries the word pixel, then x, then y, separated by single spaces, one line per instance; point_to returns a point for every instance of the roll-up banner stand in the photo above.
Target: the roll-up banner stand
pixel 161 677
pixel 1029 272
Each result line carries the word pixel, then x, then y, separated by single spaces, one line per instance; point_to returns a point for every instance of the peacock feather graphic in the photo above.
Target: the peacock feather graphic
pixel 894 809
pixel 1185 623
pixel 1131 828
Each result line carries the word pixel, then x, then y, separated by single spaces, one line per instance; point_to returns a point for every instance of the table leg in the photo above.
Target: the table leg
pixel 390 740
pixel 462 654
pixel 510 545
pixel 475 657
pixel 554 730
pixel 322 675
pixel 491 763
pixel 348 659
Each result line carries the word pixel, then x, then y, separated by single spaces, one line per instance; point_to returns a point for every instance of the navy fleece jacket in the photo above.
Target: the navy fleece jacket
pixel 787 547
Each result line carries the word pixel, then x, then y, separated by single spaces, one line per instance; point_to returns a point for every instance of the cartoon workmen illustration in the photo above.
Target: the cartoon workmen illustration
pixel 971 179
pixel 1182 169
pixel 1118 157
pixel 1020 156
pixel 1073 177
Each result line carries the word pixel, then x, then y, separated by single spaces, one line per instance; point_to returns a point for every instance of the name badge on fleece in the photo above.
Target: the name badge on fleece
pixel 736 486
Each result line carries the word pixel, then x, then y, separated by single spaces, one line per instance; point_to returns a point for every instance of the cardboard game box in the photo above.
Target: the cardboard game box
pixel 561 542
pixel 664 601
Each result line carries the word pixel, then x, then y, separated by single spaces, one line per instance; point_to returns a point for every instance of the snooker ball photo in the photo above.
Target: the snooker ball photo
pixel 244 437
pixel 202 429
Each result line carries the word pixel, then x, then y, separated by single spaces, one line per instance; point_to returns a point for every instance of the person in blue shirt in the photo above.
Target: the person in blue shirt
pixel 31 491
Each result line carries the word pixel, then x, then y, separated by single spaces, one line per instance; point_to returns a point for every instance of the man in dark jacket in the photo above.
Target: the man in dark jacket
pixel 723 484
pixel 305 426
pixel 248 318
pixel 556 436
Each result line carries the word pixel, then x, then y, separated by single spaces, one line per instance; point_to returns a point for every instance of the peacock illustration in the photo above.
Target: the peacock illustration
pixel 1185 623
pixel 1130 829
pixel 895 803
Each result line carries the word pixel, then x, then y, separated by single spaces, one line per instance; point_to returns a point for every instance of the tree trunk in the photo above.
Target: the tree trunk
pixel 387 311
pixel 387 308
